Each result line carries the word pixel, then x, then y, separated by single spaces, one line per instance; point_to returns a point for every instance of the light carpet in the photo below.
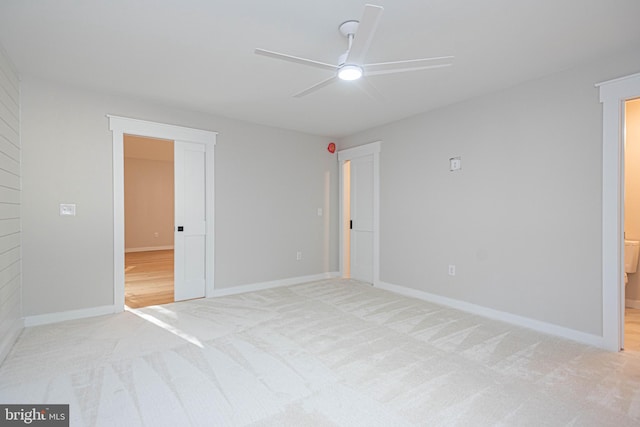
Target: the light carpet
pixel 327 353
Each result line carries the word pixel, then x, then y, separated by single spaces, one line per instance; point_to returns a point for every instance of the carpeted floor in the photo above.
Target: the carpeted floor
pixel 335 352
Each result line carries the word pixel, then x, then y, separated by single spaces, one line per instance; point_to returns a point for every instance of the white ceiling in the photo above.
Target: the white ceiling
pixel 198 54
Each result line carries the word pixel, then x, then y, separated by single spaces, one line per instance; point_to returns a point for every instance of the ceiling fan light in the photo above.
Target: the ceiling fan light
pixel 350 72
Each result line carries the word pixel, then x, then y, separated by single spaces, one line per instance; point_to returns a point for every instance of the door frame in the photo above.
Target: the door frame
pixel 373 149
pixel 119 126
pixel 613 94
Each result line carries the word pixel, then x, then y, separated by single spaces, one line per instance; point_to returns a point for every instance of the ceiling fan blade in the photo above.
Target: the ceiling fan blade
pixel 370 90
pixel 295 59
pixel 315 87
pixel 364 33
pixel 409 65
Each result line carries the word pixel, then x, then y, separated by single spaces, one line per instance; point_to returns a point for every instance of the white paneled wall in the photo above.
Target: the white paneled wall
pixel 10 237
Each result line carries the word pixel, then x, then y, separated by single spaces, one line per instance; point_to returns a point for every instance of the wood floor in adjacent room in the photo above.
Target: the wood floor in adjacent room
pixel 631 329
pixel 148 278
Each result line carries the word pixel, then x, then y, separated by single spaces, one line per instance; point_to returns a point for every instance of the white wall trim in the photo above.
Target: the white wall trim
pixel 119 126
pixel 160 130
pixel 45 319
pixel 360 151
pixel 7 341
pixel 273 284
pixel 536 325
pixel 149 249
pixel 374 149
pixel 632 303
pixel 613 93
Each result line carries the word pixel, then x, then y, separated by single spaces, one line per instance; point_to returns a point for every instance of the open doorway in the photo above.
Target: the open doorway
pixel 359 212
pixel 613 94
pixel 193 202
pixel 149 221
pixel 631 287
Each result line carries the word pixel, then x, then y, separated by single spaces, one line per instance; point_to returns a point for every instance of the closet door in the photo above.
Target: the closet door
pixel 190 221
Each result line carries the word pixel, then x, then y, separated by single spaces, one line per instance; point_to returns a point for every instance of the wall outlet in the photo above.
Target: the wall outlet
pixel 455 163
pixel 298 255
pixel 156 234
pixel 452 270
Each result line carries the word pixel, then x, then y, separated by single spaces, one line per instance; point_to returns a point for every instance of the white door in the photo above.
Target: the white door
pixel 362 218
pixel 190 225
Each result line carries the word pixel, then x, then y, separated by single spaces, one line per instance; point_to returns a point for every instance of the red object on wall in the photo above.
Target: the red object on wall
pixel 331 147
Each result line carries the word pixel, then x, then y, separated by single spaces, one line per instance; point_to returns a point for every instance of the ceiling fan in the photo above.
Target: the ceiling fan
pixel 351 64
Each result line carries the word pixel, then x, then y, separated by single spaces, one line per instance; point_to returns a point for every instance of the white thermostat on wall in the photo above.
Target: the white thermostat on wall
pixel 67 209
pixel 455 163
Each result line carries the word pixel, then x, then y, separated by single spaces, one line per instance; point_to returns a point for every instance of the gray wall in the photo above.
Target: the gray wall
pixel 522 219
pixel 10 277
pixel 269 185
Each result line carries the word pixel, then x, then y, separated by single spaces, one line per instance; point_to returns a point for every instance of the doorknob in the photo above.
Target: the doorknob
pixel 180 228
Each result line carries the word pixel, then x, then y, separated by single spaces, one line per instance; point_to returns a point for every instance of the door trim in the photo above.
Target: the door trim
pixel 119 126
pixel 613 94
pixel 372 148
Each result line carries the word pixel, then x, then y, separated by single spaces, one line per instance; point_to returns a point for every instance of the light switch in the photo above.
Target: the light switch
pixel 67 209
pixel 319 211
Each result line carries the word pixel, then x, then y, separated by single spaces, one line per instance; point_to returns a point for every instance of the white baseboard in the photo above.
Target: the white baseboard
pixel 536 325
pixel 632 303
pixel 272 284
pixel 6 343
pixel 149 248
pixel 44 319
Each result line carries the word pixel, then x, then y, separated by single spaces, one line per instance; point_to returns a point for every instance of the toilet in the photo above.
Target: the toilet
pixel 631 252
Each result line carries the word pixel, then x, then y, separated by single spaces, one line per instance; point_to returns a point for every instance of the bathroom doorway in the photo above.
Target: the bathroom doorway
pixel 613 95
pixel 631 288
